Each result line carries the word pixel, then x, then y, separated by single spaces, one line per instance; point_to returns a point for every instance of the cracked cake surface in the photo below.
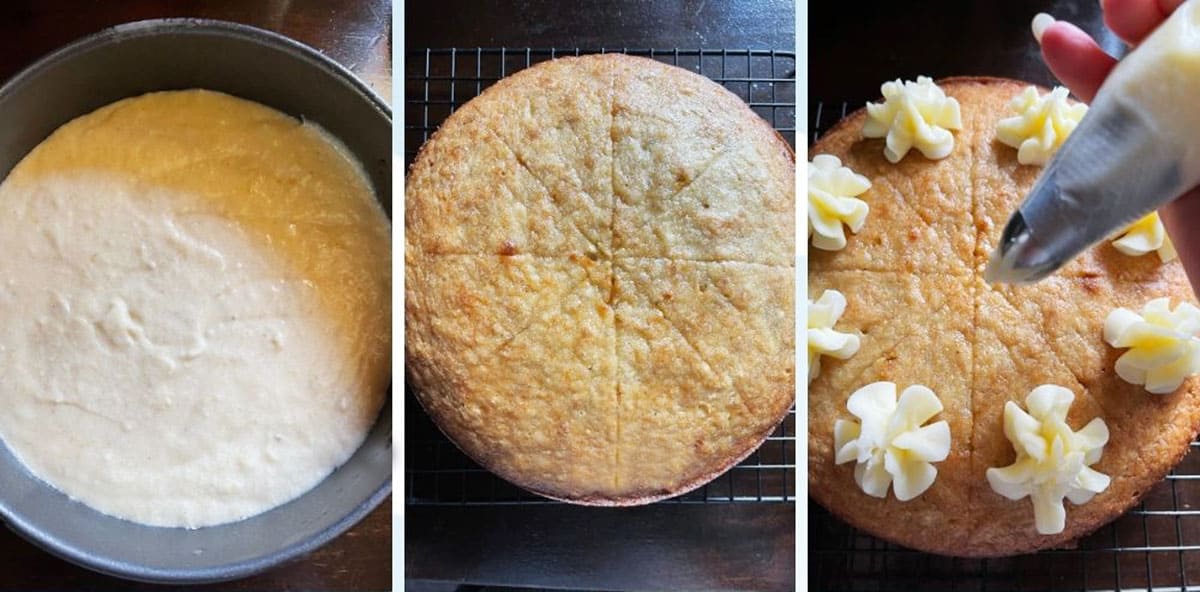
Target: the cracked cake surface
pixel 912 277
pixel 599 279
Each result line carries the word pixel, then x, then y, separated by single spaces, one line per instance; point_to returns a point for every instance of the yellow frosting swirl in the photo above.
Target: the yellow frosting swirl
pixel 1039 124
pixel 1163 348
pixel 891 445
pixel 822 338
pixel 1052 459
pixel 831 202
pixel 1145 235
pixel 914 115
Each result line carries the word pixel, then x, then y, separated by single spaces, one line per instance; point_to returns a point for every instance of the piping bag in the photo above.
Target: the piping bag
pixel 1136 149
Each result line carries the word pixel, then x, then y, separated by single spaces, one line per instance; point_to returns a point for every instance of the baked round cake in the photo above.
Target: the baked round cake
pixel 599 279
pixel 916 298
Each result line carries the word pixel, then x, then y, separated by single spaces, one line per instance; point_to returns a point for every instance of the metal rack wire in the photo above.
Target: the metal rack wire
pixel 437 81
pixel 1155 546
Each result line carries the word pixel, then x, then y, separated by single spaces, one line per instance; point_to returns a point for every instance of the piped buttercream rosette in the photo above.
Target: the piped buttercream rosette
pixel 833 202
pixel 890 444
pixel 823 339
pixel 1053 461
pixel 1163 349
pixel 913 115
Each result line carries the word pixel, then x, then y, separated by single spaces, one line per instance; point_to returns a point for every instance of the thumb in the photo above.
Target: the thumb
pixel 1182 219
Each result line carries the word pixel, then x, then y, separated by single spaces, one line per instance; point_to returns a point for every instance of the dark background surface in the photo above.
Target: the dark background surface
pixel 697 544
pixel 1154 546
pixel 742 24
pixel 851 55
pixel 356 33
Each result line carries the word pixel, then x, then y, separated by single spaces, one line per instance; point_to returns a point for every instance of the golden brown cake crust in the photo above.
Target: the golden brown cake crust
pixel 912 278
pixel 599 279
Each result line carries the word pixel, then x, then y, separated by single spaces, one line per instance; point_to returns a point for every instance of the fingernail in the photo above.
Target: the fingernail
pixel 1040 23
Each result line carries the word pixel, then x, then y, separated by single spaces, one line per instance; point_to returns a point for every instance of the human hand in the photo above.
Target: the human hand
pixel 1077 60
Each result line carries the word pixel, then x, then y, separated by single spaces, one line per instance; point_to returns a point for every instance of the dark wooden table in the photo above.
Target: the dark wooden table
pixel 356 33
pixel 664 546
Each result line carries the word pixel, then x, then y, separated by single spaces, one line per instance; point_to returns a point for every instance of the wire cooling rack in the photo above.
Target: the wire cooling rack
pixel 437 81
pixel 1155 546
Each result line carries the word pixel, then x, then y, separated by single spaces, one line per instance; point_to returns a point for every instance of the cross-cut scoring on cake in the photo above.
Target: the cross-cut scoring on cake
pixel 914 226
pixel 1055 354
pixel 612 280
pixel 1082 280
pixel 525 166
pixel 894 343
pixel 533 320
pixel 610 287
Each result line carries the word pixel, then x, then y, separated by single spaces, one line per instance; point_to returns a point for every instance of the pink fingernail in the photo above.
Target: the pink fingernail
pixel 1040 22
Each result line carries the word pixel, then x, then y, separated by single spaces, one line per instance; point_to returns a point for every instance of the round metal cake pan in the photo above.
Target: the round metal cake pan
pixel 170 54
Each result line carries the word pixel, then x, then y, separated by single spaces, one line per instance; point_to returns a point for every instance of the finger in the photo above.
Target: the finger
pixel 1133 20
pixel 1181 217
pixel 1075 59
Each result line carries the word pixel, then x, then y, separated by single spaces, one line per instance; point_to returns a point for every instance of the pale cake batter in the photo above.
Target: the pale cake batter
pixel 194 308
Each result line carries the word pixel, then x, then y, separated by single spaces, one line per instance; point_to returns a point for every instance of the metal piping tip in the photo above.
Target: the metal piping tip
pixel 1020 259
pixel 1113 169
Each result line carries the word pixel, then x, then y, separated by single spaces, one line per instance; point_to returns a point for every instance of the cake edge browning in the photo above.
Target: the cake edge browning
pixel 752 444
pixel 851 124
pixel 422 373
pixel 420 388
pixel 1101 514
